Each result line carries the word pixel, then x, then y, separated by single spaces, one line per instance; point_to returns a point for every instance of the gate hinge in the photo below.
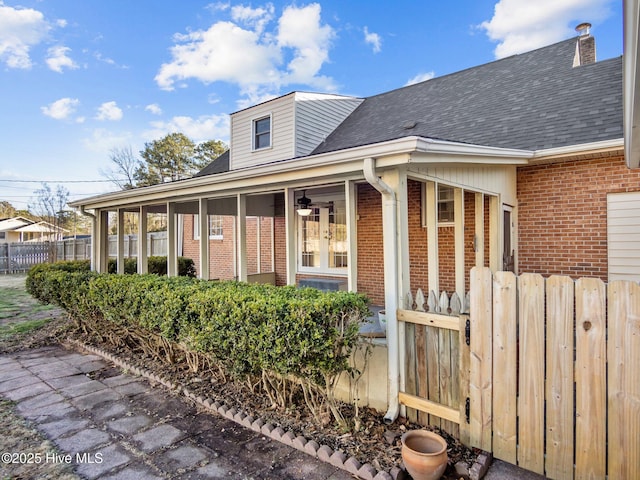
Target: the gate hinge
pixel 467 332
pixel 467 410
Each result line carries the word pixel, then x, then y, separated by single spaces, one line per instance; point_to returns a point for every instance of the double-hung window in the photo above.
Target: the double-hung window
pixel 215 227
pixel 262 133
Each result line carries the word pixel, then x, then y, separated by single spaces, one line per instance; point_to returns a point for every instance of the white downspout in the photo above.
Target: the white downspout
pixel 390 242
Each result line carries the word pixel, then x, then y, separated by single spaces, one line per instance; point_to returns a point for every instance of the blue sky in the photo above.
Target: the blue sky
pixel 79 78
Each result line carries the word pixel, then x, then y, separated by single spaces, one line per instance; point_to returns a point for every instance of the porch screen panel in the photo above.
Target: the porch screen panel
pixel 311 239
pixel 337 233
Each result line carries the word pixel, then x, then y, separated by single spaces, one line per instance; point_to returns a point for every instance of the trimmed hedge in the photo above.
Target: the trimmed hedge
pixel 155 265
pixel 283 334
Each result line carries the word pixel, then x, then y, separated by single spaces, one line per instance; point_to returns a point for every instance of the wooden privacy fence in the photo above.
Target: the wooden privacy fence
pixel 554 373
pixel 20 257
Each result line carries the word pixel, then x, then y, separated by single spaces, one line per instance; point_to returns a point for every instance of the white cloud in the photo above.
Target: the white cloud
pixel 257 18
pixel 373 39
pixel 20 29
pixel 203 128
pixel 103 141
pixel 421 77
pixel 57 58
pixel 109 111
pixel 61 109
pixel 154 108
pixel 224 52
pixel 246 53
pixel 522 25
pixel 300 29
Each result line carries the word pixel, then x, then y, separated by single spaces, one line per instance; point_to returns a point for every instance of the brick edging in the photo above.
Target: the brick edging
pixel 323 453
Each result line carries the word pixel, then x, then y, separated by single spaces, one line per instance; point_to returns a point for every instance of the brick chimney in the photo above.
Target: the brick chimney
pixel 585 46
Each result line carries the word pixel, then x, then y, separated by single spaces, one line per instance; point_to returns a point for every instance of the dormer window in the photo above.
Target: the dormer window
pixel 262 133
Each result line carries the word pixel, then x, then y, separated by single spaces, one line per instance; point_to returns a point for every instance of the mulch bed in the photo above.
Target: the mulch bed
pixel 374 442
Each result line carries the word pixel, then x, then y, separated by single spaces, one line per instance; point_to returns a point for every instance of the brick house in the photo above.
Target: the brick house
pixel 517 164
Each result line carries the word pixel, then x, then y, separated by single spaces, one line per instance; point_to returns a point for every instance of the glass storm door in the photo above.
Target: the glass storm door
pixel 323 240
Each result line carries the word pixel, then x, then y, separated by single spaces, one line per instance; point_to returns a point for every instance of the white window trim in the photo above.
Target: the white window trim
pixel 196 228
pixel 253 132
pixel 423 199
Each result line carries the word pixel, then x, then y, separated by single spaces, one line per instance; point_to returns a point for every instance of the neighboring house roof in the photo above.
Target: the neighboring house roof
pixel 40 227
pixel 533 101
pixel 11 224
pixel 219 165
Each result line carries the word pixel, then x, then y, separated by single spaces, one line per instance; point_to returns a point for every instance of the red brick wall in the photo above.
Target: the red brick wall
pixel 280 247
pixel 220 251
pixel 562 215
pixel 418 265
pixel 370 246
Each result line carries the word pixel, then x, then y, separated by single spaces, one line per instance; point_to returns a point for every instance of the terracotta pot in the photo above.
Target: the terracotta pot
pixel 424 454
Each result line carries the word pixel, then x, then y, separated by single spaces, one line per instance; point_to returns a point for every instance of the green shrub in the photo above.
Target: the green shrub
pixel 289 337
pixel 155 265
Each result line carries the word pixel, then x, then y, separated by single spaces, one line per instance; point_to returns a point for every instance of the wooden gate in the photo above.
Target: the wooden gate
pixel 554 373
pixel 437 362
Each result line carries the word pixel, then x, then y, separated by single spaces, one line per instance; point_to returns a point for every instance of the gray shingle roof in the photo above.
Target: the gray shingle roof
pixel 219 165
pixel 535 100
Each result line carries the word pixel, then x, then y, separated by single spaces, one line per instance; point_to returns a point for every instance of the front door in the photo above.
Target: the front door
pixel 323 240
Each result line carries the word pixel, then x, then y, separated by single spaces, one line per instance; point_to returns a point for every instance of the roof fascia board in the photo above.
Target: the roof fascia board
pixel 573 150
pixel 344 157
pixel 631 83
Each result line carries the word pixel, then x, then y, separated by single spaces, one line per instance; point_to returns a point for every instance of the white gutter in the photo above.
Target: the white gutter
pixel 84 212
pixel 581 149
pixel 631 76
pixel 390 243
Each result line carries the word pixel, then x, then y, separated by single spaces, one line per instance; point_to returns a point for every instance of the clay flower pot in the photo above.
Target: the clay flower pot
pixel 424 454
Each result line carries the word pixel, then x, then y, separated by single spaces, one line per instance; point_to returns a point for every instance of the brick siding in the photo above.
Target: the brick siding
pixel 562 215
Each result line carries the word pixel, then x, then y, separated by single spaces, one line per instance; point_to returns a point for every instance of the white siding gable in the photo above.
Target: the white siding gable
pixel 318 115
pixel 623 232
pixel 299 123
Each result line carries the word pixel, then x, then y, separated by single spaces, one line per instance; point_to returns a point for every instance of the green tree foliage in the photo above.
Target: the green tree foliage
pixel 174 157
pixel 207 152
pixel 7 210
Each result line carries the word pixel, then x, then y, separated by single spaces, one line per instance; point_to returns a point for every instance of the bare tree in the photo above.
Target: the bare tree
pixel 124 164
pixel 51 206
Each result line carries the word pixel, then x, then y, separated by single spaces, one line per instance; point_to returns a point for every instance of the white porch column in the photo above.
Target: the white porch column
pixel 479 233
pixel 100 242
pixel 143 264
pixel 120 242
pixel 495 234
pixel 404 272
pixel 458 209
pixel 203 218
pixel 350 195
pixel 290 232
pixel 242 237
pixel 431 199
pixel 172 253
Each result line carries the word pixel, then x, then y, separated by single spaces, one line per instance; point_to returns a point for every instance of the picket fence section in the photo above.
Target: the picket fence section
pixel 554 379
pixel 435 360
